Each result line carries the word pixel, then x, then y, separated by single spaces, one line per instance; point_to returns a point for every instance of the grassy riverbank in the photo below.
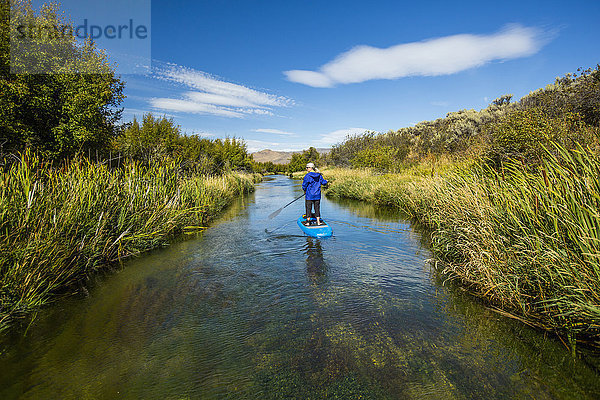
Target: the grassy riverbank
pixel 59 225
pixel 527 242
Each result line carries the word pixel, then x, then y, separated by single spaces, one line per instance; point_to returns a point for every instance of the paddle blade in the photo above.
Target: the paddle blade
pixel 275 213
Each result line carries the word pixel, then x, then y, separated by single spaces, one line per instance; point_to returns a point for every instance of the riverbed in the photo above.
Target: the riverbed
pixel 252 308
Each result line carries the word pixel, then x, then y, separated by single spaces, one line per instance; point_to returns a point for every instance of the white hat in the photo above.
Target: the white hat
pixel 310 165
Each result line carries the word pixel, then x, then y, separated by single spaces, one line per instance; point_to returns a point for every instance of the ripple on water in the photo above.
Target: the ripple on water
pixel 253 309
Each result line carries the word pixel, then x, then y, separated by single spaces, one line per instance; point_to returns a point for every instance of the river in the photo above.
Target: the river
pixel 252 309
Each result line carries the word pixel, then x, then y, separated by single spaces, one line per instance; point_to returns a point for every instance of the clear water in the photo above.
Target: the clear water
pixel 253 309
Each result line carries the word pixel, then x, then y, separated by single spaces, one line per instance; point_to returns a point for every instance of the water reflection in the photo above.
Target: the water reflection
pixel 253 310
pixel 316 268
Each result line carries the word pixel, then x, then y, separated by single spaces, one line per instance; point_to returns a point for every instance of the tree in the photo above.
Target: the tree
pixel 297 163
pixel 299 160
pixel 159 137
pixel 155 137
pixel 311 155
pixel 66 96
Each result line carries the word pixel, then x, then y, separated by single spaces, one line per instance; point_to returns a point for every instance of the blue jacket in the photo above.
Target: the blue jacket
pixel 312 185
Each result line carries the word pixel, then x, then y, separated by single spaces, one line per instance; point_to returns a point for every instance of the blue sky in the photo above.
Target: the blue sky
pixel 287 75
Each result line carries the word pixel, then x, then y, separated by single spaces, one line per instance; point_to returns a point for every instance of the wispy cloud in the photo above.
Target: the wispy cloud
pixel 439 56
pixel 188 106
pixel 274 131
pixel 338 136
pixel 206 94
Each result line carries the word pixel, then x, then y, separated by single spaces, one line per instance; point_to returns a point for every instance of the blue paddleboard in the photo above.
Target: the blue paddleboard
pixel 315 230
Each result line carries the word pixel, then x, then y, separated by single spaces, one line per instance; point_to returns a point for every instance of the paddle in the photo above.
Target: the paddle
pixel 276 213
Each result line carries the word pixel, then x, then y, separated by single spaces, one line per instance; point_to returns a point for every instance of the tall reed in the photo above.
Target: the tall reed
pixel 527 241
pixel 58 225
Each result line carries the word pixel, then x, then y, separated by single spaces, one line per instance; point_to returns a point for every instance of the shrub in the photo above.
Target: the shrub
pixel 381 158
pixel 523 135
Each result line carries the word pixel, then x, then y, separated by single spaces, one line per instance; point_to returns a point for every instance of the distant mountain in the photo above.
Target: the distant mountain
pixel 279 157
pixel 276 157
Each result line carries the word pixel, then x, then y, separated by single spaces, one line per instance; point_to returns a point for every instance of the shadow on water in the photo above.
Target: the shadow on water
pixel 253 309
pixel 316 268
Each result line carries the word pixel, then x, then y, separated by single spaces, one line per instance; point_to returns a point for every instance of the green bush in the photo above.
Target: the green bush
pixel 341 154
pixel 381 158
pixel 524 134
pixel 577 93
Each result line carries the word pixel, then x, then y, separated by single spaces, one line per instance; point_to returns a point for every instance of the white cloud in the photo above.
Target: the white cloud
pixel 187 106
pixel 210 95
pixel 310 78
pixel 338 136
pixel 275 131
pixel 217 99
pixel 257 111
pixel 439 56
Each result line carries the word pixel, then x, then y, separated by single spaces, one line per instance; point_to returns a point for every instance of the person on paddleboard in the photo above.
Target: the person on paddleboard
pixel 312 186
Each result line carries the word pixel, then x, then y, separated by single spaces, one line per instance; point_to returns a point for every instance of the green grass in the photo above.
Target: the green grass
pixel 526 241
pixel 59 225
